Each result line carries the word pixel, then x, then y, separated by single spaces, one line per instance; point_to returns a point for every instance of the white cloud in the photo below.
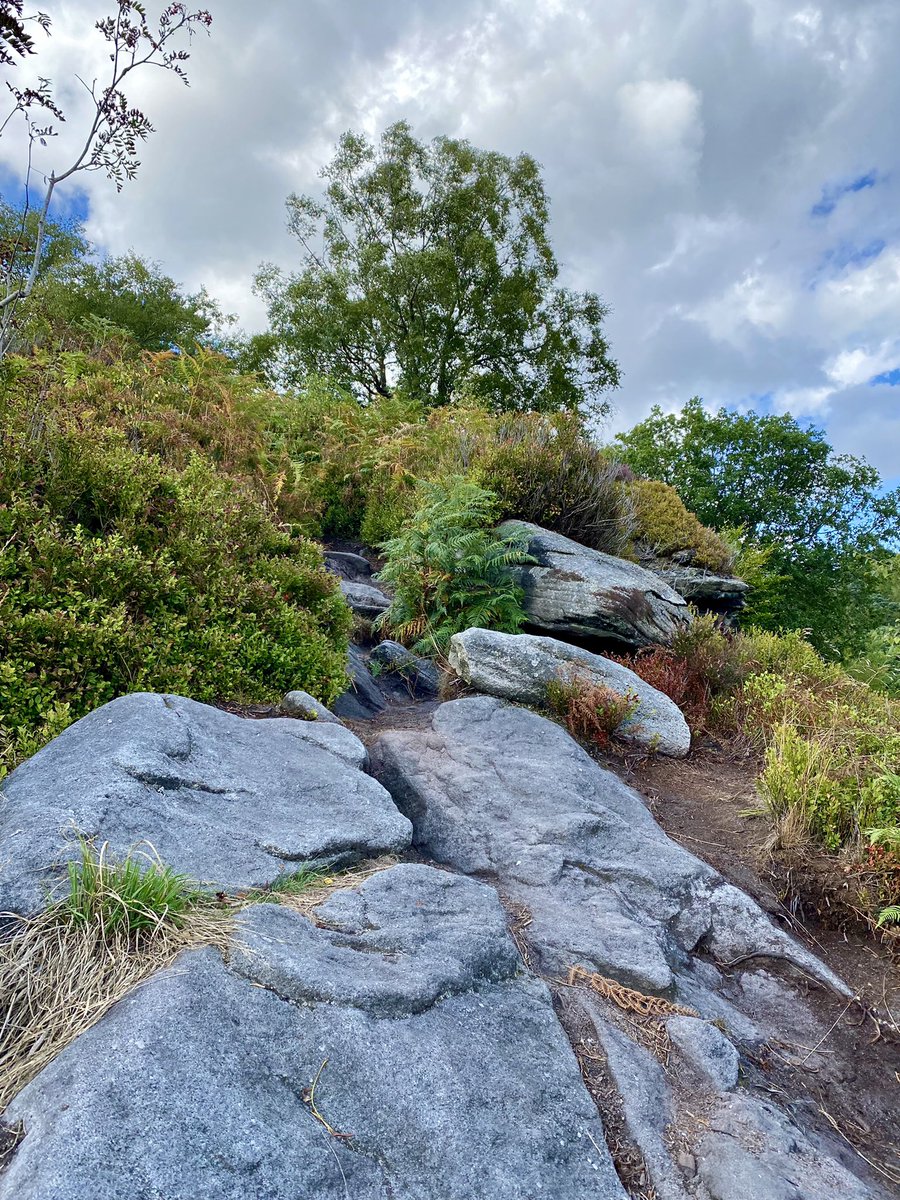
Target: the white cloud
pixel 684 147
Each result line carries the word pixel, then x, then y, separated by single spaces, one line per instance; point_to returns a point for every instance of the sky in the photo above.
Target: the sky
pixel 724 173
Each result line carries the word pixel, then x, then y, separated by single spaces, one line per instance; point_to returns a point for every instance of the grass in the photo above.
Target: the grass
pixel 62 970
pixel 121 921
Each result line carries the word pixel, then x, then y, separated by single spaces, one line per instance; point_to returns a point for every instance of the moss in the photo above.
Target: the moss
pixel 664 524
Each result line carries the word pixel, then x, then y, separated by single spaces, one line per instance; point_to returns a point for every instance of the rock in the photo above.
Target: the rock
pixel 363 699
pixel 307 708
pixel 707 591
pixel 519 666
pixel 441 1069
pixel 647 1107
pixel 228 801
pixel 706 1049
pixel 580 592
pixel 497 790
pixel 419 675
pixel 364 599
pixel 348 566
pixel 753 1149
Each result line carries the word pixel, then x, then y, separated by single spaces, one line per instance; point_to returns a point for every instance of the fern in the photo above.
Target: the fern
pixel 450 570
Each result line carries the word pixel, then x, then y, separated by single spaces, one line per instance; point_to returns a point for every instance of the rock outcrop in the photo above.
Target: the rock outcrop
pixel 229 802
pixel 578 592
pixel 363 698
pixel 439 1068
pixel 496 790
pixel 519 667
pixel 724 594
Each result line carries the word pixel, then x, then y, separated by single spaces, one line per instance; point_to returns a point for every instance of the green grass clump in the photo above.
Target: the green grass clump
pixel 132 895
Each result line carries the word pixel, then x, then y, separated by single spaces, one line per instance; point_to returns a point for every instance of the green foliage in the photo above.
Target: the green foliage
pixel 130 557
pixel 293 883
pixel 665 526
pixel 450 570
pixel 546 470
pixel 821 518
pixel 132 896
pixel 427 269
pixel 126 293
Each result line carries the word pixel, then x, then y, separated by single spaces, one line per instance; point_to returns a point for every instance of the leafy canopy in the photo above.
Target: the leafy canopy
pixel 822 518
pixel 427 268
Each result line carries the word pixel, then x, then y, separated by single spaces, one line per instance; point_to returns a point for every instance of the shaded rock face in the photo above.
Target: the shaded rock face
pixel 446 1073
pixel 418 676
pixel 347 566
pixel 228 801
pixel 578 592
pixel 722 594
pixel 519 667
pixel 365 599
pixel 363 698
pixel 500 791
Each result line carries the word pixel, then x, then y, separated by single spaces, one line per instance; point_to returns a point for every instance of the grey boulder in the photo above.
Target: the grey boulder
pixel 230 802
pixel 579 592
pixel 364 599
pixel 497 790
pixel 519 667
pixel 307 708
pixel 348 566
pixel 440 1069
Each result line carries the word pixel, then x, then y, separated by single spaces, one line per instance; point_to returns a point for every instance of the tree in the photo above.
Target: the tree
pixel 427 268
pixel 129 293
pixel 823 517
pixel 112 136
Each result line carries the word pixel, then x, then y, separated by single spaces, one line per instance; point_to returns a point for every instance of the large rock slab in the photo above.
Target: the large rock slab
pixel 497 790
pixel 442 1070
pixel 579 592
pixel 230 802
pixel 520 666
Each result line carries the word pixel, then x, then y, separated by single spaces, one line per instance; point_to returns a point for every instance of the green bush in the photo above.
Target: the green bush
pixel 449 569
pixel 664 526
pixel 545 470
pixel 125 569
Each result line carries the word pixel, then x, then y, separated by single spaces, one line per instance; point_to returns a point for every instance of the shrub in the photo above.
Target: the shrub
pixel 704 662
pixel 592 711
pixel 664 525
pixel 450 570
pixel 545 470
pixel 126 569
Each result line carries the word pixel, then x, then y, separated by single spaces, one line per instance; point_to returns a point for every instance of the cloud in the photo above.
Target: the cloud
pixel 724 175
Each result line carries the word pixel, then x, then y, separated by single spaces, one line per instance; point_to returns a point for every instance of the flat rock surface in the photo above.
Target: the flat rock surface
pixel 364 599
pixel 576 591
pixel 498 790
pixel 228 801
pixel 519 667
pixel 442 1070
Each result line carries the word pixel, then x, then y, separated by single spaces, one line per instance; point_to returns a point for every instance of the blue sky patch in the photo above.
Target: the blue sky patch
pixel 833 193
pixel 68 204
pixel 891 378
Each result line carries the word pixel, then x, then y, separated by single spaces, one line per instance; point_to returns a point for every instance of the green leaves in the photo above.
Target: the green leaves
pixel 428 269
pixel 450 571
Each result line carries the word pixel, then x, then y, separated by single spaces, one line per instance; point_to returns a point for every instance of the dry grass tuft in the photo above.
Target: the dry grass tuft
pixel 318 889
pixel 60 975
